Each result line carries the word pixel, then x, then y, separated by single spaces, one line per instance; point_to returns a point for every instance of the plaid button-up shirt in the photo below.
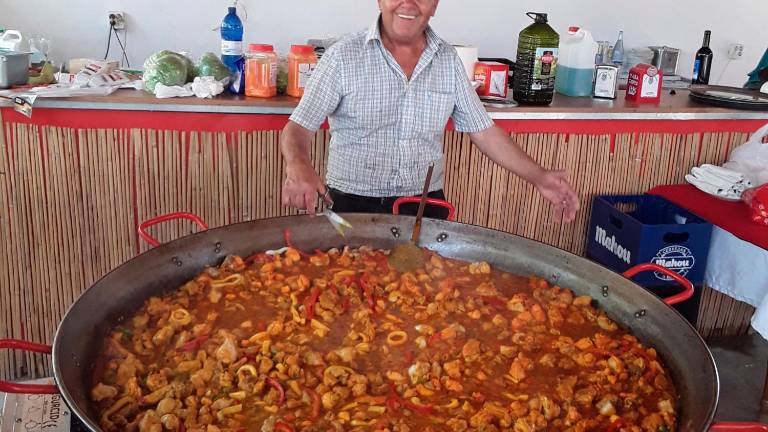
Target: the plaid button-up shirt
pixel 385 129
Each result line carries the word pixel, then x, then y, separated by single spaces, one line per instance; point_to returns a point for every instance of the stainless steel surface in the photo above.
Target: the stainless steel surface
pixel 666 59
pixel 14 68
pixel 602 110
pixel 157 271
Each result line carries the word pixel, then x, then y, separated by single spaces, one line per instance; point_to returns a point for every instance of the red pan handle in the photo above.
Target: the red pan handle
pixel 738 427
pixel 165 218
pixel 9 387
pixel 434 201
pixel 677 298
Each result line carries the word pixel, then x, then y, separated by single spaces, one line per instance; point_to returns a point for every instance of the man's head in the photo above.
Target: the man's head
pixel 404 21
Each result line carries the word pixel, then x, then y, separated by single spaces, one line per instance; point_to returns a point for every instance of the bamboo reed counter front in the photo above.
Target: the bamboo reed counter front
pixel 78 177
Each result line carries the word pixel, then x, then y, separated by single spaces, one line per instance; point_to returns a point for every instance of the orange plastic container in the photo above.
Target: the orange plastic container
pixel 261 71
pixel 301 63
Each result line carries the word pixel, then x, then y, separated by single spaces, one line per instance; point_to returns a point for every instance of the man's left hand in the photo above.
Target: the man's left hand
pixel 554 186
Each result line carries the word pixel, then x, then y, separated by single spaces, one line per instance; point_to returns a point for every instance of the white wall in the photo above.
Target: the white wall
pixel 78 28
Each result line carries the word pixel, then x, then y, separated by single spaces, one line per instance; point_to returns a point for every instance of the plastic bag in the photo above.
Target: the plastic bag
pixel 166 67
pixel 751 158
pixel 208 86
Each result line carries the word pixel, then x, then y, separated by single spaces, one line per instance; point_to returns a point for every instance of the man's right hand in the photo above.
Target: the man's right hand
pixel 302 186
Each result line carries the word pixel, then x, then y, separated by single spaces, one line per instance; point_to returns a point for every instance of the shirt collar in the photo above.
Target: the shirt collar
pixel 374 33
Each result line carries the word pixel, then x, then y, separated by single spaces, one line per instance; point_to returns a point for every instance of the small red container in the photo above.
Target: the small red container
pixel 644 84
pixel 493 78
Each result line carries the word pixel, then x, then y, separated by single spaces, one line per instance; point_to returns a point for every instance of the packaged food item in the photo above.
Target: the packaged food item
pixel 644 84
pixel 301 62
pixel 493 78
pixel 757 200
pixel 261 71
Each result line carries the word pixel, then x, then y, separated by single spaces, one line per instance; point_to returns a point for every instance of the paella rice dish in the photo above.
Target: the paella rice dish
pixel 338 340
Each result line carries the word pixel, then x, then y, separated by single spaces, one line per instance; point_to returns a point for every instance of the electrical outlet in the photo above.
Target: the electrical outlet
pixel 735 51
pixel 117 19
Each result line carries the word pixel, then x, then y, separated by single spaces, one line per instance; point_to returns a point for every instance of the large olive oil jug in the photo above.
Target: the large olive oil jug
pixel 537 49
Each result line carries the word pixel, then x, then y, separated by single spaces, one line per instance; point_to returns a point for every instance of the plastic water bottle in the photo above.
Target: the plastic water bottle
pixel 232 49
pixel 618 51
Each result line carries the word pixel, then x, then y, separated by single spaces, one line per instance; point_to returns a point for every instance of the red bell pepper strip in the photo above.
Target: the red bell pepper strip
pixel 394 401
pixel 368 291
pixel 287 236
pixel 283 427
pixel 434 338
pixel 345 305
pixel 616 425
pixel 315 403
pixel 280 391
pixel 419 409
pixel 310 302
pixel 194 344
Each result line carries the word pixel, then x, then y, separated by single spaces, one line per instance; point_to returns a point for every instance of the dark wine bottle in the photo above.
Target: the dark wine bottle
pixel 702 66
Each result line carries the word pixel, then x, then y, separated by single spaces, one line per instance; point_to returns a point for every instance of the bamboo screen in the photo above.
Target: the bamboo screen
pixel 70 199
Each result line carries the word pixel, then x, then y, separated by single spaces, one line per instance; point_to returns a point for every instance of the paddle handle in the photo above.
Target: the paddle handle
pixel 422 204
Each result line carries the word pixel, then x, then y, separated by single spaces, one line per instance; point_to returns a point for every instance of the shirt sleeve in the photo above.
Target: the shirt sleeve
pixel 469 114
pixel 322 93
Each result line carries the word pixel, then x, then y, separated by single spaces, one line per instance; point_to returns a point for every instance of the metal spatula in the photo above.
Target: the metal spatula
pixel 409 256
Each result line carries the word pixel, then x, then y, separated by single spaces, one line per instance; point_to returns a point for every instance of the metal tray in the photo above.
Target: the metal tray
pixel 729 97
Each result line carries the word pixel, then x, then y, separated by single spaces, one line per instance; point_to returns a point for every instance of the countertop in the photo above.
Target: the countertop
pixel 672 107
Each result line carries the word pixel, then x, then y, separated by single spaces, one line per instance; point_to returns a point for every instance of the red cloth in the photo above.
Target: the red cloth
pixel 734 217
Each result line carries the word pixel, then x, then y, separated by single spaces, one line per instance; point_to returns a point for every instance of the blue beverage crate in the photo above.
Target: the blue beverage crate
pixel 626 230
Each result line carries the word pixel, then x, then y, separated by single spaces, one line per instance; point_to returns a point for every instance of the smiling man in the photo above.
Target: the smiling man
pixel 388 93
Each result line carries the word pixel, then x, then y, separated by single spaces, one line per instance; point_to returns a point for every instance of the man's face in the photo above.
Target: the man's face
pixel 406 20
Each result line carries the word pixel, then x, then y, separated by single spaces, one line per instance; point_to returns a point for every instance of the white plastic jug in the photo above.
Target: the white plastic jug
pixel 11 40
pixel 576 63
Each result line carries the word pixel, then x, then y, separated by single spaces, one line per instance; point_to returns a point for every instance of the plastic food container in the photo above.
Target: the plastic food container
pixel 14 68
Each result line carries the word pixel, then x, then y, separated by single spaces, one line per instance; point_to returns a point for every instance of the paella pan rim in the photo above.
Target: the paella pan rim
pixel 451 239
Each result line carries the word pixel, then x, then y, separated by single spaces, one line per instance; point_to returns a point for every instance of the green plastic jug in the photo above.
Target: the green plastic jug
pixel 537 49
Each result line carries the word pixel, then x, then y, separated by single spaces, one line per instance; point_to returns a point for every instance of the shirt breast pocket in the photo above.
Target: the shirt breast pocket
pixel 436 109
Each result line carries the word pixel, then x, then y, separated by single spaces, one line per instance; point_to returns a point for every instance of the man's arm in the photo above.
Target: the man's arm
pixel 321 97
pixel 302 184
pixel 553 185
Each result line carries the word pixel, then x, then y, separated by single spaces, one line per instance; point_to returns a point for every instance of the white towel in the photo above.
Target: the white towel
pixel 725 173
pixel 716 190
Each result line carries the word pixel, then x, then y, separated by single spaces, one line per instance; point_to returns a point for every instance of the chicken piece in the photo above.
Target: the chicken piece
pixel 419 372
pixel 150 422
pixel 453 368
pixel 481 267
pixel 520 367
pixel 457 425
pixel 471 350
pixel 358 384
pixel 128 369
pixel 156 381
pixel 227 352
pixel 652 423
pixel 453 385
pixel 162 336
pixel 101 392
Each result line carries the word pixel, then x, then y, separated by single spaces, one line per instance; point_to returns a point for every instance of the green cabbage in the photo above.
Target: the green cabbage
pixel 168 68
pixel 210 65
